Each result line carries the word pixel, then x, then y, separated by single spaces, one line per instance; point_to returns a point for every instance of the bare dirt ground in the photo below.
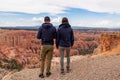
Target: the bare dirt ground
pixel 3 72
pixel 82 68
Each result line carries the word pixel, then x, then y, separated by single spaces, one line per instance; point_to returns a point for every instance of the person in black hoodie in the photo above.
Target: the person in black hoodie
pixel 65 40
pixel 47 34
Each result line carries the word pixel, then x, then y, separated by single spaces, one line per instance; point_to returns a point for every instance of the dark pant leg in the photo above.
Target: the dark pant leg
pixel 68 56
pixel 61 49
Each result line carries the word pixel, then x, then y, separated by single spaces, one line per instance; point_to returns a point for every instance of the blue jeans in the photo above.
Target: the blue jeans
pixel 62 49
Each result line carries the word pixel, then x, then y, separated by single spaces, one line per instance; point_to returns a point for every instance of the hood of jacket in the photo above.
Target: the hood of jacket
pixel 65 25
pixel 47 25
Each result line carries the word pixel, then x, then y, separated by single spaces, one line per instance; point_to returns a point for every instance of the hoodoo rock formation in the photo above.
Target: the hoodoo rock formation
pixel 24 47
pixel 109 43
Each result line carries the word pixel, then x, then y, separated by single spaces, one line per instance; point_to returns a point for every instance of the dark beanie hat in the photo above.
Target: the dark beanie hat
pixel 47 18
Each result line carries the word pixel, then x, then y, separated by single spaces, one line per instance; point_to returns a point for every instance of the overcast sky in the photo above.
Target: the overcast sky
pixel 89 13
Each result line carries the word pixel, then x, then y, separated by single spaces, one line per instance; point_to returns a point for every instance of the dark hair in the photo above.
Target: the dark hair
pixel 64 19
pixel 47 18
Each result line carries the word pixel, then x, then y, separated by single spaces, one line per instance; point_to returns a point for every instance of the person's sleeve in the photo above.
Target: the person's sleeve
pixel 72 38
pixel 57 39
pixel 39 33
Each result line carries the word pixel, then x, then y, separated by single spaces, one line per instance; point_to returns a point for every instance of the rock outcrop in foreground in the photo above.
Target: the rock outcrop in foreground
pixel 109 41
pixel 109 44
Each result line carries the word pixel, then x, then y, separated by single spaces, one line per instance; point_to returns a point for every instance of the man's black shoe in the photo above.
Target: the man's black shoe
pixel 48 74
pixel 41 76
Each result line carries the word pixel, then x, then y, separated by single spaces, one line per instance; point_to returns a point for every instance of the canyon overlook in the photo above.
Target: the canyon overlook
pixel 24 47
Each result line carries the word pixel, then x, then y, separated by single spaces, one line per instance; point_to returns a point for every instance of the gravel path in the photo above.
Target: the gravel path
pixel 3 72
pixel 89 68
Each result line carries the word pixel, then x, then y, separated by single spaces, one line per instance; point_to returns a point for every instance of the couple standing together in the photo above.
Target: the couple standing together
pixel 64 41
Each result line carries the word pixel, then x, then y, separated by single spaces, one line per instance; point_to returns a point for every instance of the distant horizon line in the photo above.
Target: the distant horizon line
pixel 58 25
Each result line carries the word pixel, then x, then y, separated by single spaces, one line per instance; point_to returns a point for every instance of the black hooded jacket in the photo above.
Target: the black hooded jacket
pixel 47 33
pixel 65 36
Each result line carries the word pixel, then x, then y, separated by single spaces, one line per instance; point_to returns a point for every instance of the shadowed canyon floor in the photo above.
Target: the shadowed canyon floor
pixel 82 68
